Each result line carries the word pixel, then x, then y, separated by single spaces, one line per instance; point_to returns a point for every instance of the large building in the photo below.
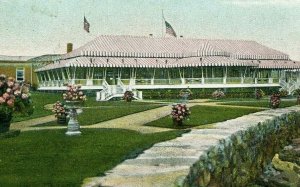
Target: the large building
pixel 18 67
pixel 114 64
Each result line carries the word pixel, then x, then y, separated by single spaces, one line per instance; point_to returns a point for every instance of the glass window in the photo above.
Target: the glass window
pixel 20 74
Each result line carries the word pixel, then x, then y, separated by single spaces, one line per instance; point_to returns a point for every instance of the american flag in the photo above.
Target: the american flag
pixel 86 25
pixel 170 30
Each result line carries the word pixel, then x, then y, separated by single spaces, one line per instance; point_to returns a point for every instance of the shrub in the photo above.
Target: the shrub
pixel 218 94
pixel 259 94
pixel 180 112
pixel 283 92
pixel 128 96
pixel 275 100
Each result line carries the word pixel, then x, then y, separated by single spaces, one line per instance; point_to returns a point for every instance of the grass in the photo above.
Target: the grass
pixel 261 103
pixel 202 115
pixel 50 158
pixel 112 110
pixel 39 101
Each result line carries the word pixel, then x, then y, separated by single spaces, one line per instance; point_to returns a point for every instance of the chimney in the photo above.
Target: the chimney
pixel 69 47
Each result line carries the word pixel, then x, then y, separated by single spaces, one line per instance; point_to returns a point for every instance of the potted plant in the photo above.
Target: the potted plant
pixel 218 94
pixel 60 112
pixel 14 97
pixel 128 96
pixel 180 112
pixel 74 97
pixel 275 100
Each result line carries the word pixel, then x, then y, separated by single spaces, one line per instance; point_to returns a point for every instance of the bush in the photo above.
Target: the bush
pixel 283 92
pixel 218 94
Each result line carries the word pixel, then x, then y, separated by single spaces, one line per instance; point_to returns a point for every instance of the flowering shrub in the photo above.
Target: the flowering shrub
pixel 275 100
pixel 179 113
pixel 283 92
pixel 59 109
pixel 14 97
pixel 259 93
pixel 218 94
pixel 73 93
pixel 128 96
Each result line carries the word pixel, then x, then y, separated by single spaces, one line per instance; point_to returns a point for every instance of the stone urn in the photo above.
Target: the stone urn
pixel 73 125
pixel 62 119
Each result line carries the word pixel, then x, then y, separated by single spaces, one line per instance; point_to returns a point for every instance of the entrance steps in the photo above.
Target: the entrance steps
pixel 116 91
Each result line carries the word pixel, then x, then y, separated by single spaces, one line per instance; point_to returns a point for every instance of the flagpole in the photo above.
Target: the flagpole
pixel 162 23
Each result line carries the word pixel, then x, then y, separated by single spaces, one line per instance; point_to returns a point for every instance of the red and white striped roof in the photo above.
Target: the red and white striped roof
pixel 134 51
pixel 141 47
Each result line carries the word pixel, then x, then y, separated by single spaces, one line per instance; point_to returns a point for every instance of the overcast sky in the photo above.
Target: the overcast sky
pixel 37 27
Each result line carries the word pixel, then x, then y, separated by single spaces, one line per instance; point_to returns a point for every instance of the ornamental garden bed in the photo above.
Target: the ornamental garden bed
pixel 203 115
pixel 50 158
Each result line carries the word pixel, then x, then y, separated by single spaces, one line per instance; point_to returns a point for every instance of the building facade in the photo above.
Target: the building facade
pixel 114 64
pixel 18 67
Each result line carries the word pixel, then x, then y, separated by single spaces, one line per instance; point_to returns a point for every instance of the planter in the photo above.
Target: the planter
pixel 5 121
pixel 62 119
pixel 177 123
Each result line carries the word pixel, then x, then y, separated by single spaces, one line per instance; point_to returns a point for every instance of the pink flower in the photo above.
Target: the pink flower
pixel 17 92
pixel 5 96
pixel 10 102
pixel 2 100
pixel 24 96
pixel 10 84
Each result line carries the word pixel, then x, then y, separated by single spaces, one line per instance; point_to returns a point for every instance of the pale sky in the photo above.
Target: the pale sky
pixel 37 27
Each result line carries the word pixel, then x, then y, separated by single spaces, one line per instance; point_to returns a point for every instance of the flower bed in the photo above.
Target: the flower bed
pixel 218 94
pixel 180 112
pixel 14 97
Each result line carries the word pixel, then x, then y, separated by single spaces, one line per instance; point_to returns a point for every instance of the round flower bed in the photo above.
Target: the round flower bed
pixel 275 100
pixel 128 96
pixel 218 94
pixel 180 112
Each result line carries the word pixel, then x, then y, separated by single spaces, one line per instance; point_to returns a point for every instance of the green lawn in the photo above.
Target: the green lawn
pixel 261 103
pixel 110 110
pixel 50 158
pixel 39 100
pixel 202 115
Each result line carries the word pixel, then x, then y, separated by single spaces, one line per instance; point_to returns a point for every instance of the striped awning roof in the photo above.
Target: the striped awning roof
pixel 147 62
pixel 141 47
pixel 276 64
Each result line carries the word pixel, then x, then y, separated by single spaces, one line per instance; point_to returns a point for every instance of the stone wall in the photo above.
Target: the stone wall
pixel 241 157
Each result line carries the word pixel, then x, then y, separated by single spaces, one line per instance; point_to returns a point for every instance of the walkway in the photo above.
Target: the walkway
pixel 131 122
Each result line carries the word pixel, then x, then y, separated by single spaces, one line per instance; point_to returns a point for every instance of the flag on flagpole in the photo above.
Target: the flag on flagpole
pixel 86 25
pixel 169 29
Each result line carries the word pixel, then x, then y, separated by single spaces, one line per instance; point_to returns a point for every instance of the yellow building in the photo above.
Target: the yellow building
pixel 22 67
pixel 18 67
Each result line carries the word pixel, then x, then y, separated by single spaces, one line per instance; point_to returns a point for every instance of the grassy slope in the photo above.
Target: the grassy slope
pixel 202 115
pixel 50 158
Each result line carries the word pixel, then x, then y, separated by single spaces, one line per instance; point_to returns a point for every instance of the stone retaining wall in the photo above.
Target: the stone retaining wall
pixel 241 158
pixel 233 153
